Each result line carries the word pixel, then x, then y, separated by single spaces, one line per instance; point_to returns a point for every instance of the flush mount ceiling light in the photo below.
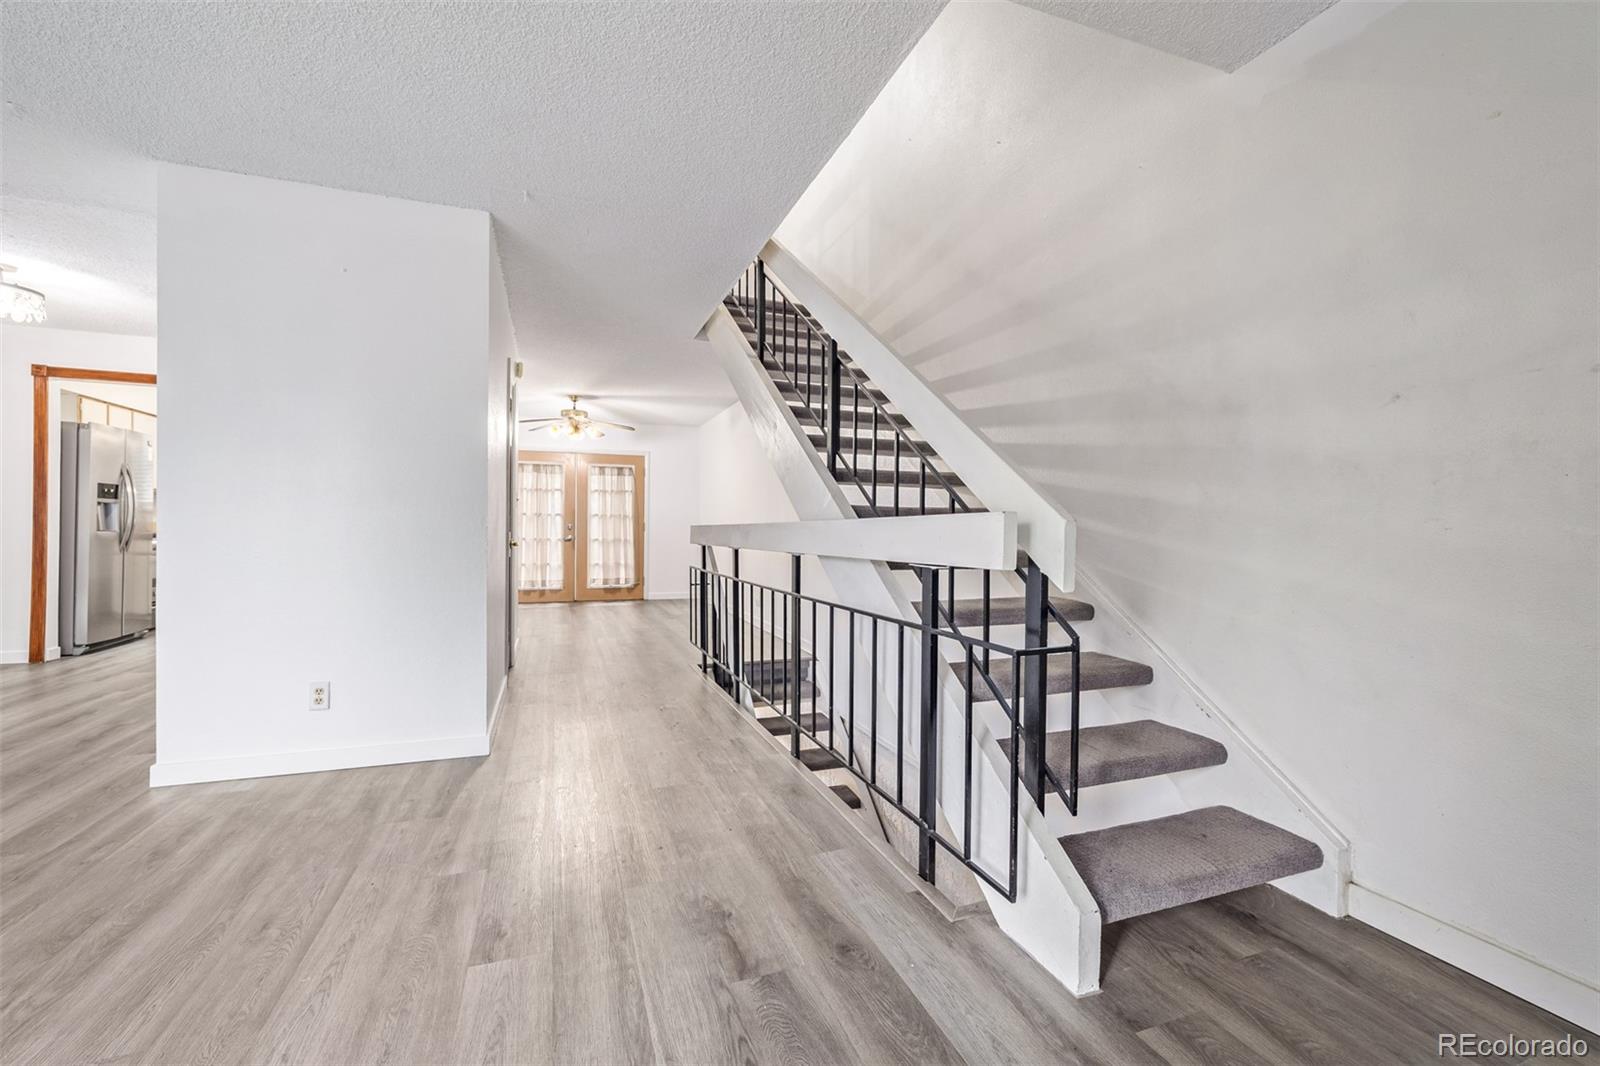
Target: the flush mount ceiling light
pixel 17 302
pixel 575 422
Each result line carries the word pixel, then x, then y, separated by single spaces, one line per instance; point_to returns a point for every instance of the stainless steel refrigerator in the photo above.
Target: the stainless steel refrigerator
pixel 108 536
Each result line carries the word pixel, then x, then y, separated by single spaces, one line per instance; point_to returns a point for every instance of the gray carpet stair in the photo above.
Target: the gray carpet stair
pixel 1011 610
pixel 775 669
pixel 1166 862
pixel 1098 670
pixel 778 725
pixel 820 759
pixel 1128 751
pixel 848 795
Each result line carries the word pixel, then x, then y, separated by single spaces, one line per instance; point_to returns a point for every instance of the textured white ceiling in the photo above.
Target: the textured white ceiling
pixel 633 154
pixel 1225 34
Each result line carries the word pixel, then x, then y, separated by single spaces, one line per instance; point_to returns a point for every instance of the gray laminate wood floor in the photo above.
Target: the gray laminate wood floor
pixel 634 875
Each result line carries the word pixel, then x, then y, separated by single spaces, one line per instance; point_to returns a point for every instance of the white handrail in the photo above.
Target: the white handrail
pixel 984 540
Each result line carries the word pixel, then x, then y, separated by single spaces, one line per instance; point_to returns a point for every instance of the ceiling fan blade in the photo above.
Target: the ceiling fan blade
pixel 610 425
pixel 536 421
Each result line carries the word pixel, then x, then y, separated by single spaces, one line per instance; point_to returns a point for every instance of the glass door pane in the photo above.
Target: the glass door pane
pixel 612 501
pixel 542 499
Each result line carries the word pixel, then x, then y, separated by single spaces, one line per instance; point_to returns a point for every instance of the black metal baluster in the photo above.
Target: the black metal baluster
pixel 966 791
pixel 851 731
pixel 833 661
pixel 874 458
pixel 833 408
pixel 872 710
pixel 761 312
pixel 738 625
pixel 794 661
pixel 1072 785
pixel 986 621
pixel 816 663
pixel 897 474
pixel 1035 623
pixel 899 713
pixel 1016 674
pixel 705 564
pixel 855 431
pixel 928 692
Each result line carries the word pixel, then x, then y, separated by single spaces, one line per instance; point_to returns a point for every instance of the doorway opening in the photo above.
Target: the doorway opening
pixel 580 527
pixel 121 404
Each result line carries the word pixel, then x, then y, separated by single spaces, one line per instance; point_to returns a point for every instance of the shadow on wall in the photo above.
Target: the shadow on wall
pixel 1311 360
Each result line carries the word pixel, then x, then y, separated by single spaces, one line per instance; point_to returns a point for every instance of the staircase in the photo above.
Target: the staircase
pixel 873 452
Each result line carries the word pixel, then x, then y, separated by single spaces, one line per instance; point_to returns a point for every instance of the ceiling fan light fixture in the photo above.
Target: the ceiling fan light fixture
pixel 574 422
pixel 19 303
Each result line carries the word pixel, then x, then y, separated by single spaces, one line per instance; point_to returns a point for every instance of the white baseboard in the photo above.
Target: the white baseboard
pixel 235 767
pixel 1562 994
pixel 13 658
pixel 667 595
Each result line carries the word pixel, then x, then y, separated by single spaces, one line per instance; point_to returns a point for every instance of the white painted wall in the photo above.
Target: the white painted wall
pixel 672 488
pixel 324 503
pixel 20 348
pixel 1308 351
pixel 738 484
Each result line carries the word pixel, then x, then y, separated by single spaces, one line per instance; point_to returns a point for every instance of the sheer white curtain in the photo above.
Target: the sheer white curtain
pixel 611 503
pixel 539 492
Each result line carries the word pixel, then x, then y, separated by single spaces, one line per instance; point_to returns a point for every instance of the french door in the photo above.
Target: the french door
pixel 580 527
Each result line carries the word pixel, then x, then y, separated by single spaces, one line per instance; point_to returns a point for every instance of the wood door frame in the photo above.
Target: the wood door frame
pixel 635 591
pixel 569 496
pixel 37 592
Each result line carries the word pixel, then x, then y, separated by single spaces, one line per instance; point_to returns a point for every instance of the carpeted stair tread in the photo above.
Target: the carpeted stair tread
pixel 848 795
pixel 1012 611
pixel 776 692
pixel 820 759
pixel 1128 751
pixel 778 725
pixel 1098 671
pixel 760 670
pixel 1166 862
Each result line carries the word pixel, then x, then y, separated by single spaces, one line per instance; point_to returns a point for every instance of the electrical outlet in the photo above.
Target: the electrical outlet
pixel 319 696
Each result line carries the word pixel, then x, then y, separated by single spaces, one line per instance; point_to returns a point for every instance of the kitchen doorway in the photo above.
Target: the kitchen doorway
pixel 580 527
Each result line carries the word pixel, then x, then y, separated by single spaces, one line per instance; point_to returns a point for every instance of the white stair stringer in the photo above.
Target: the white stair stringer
pixel 1055 918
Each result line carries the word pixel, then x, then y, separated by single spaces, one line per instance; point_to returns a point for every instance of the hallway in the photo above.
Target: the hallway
pixel 633 875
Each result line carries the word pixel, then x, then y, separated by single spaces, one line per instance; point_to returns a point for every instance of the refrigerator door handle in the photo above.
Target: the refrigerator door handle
pixel 126 512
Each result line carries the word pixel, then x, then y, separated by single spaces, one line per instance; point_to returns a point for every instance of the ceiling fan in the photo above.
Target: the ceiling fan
pixel 574 421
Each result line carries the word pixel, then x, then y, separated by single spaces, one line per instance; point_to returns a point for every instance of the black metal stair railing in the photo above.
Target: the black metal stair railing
pixel 796 349
pixel 781 648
